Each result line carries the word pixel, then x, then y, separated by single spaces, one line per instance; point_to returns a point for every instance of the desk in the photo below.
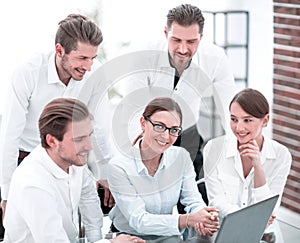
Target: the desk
pixel 199 240
pixel 110 236
pixel 291 234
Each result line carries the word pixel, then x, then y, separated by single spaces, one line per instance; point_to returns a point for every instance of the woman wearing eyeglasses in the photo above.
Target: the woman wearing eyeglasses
pixel 148 184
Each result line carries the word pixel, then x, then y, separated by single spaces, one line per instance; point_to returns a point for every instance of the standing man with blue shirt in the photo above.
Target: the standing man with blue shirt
pixel 44 77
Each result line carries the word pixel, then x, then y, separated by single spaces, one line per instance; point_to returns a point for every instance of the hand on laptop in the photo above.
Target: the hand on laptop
pixel 271 220
pixel 205 221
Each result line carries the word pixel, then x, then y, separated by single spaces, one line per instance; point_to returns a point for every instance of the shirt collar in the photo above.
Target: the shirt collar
pixel 266 153
pixel 52 167
pixel 139 162
pixel 231 146
pixel 52 72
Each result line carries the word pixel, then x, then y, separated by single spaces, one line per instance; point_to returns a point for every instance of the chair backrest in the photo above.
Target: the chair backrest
pixel 105 209
pixel 1 226
pixel 202 190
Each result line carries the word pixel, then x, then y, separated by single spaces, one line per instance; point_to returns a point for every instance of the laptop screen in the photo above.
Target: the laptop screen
pixel 247 224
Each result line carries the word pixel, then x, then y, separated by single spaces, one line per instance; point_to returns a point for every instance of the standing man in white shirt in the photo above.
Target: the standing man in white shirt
pixel 61 73
pixel 53 182
pixel 185 68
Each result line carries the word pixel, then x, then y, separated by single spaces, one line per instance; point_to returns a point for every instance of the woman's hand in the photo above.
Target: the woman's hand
pixel 251 152
pixel 205 221
pixel 271 220
pixel 127 239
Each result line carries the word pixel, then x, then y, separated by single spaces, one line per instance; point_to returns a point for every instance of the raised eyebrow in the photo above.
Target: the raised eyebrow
pixel 90 134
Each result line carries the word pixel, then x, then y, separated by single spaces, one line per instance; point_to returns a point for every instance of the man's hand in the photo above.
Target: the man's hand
pixel 108 199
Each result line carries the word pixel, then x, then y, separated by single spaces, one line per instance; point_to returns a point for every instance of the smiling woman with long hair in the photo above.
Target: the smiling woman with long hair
pixel 248 167
pixel 148 184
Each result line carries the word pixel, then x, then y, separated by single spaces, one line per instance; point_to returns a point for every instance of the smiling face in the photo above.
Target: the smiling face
pixel 155 141
pixel 74 148
pixel 183 42
pixel 245 126
pixel 76 63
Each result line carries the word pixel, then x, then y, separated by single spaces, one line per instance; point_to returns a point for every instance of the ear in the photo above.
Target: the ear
pixel 142 122
pixel 166 31
pixel 59 50
pixel 51 141
pixel 266 120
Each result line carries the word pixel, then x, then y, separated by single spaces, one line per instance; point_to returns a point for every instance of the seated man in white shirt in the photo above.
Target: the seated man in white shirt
pixel 53 182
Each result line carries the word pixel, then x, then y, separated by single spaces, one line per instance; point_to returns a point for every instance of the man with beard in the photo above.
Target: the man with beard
pixel 53 182
pixel 61 73
pixel 187 68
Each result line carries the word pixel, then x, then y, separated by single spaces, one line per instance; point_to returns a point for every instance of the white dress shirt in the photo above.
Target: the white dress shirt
pixel 43 202
pixel 228 189
pixel 144 203
pixel 145 75
pixel 32 86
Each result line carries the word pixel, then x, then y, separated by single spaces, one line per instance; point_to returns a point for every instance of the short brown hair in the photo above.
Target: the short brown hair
pixel 186 15
pixel 56 116
pixel 77 28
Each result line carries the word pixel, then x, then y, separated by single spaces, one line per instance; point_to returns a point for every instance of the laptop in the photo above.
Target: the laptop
pixel 248 224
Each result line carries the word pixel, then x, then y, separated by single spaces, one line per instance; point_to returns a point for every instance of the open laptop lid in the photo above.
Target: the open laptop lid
pixel 247 224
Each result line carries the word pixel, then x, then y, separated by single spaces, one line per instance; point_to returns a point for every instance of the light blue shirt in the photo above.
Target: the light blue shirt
pixel 144 203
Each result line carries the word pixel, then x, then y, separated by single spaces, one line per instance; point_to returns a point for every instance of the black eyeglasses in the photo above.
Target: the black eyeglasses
pixel 173 131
